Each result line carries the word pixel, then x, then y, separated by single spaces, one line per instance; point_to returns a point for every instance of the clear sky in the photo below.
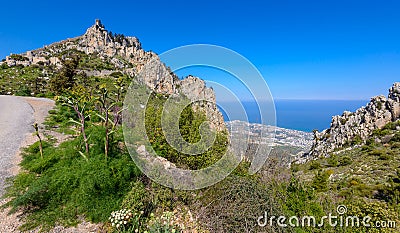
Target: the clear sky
pixel 304 49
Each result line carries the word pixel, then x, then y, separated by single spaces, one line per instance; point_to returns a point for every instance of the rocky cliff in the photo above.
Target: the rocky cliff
pixel 157 77
pixel 351 128
pixel 126 55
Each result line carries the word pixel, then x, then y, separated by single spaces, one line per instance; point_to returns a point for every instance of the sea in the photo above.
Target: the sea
pixel 303 115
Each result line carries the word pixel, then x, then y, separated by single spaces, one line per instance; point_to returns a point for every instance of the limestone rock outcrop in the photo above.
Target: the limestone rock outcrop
pixel 157 77
pixel 358 126
pixel 195 88
pixel 160 79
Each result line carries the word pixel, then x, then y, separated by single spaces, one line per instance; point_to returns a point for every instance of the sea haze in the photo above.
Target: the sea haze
pixel 304 115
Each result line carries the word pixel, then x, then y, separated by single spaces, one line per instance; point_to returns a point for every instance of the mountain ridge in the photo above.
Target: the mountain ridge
pixel 353 128
pixel 126 55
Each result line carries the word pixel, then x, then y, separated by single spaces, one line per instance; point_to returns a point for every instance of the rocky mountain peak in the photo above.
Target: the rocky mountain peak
pixel 97 26
pixel 97 30
pixel 102 42
pixel 353 127
pixel 125 53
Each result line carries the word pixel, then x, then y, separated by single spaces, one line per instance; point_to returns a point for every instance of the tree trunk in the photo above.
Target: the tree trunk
pixel 107 136
pixel 82 119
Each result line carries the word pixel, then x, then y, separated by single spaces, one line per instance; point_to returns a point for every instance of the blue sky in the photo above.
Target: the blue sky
pixel 304 49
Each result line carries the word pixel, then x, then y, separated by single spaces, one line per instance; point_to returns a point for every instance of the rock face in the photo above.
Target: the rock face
pixel 160 79
pixel 358 126
pixel 157 77
pixel 195 88
pixel 127 56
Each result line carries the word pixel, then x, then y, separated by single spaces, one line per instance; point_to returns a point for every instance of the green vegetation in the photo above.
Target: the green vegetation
pixel 91 174
pixel 189 124
pixel 320 181
pixel 24 81
pixel 315 165
pixel 60 183
pixel 36 127
pixel 18 57
pixel 92 62
pixel 47 80
pixel 64 185
pixel 356 140
pixel 65 79
pixel 366 179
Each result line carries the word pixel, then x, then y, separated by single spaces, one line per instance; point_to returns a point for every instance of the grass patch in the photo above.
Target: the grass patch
pixel 63 185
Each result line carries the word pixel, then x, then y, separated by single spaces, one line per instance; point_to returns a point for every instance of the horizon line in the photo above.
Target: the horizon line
pixel 249 100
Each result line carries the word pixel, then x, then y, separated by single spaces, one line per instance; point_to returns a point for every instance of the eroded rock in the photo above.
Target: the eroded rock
pixel 358 125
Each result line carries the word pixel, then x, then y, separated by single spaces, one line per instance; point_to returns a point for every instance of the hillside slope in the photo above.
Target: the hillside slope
pixel 356 162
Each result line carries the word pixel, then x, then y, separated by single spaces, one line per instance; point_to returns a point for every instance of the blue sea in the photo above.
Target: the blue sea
pixel 304 115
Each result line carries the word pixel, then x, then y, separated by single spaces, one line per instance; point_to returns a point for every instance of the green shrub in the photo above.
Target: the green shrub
pixel 320 181
pixel 23 90
pixel 345 160
pixel 189 123
pixel 4 66
pixel 395 138
pixel 370 142
pixel 385 157
pixel 297 198
pixel 315 165
pixel 333 161
pixel 366 148
pixel 356 140
pixel 392 125
pixel 381 132
pixel 18 57
pixel 377 211
pixel 295 167
pixel 137 199
pixel 395 145
pixel 377 152
pixel 379 105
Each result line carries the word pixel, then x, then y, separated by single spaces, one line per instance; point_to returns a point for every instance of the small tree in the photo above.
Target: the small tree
pixel 119 85
pixel 64 80
pixel 79 99
pixel 107 105
pixel 36 127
